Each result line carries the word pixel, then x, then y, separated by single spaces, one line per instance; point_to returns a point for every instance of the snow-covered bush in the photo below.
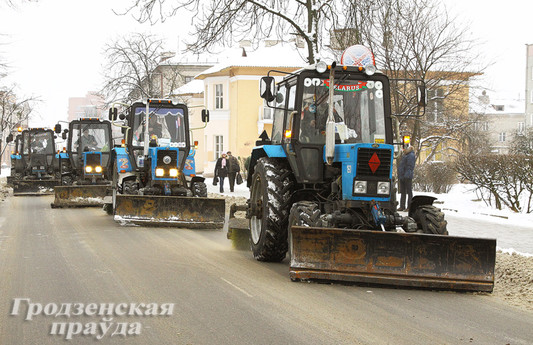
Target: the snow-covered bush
pixel 500 180
pixel 434 177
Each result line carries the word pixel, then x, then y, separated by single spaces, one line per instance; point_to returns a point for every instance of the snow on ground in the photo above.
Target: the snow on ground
pixel 466 215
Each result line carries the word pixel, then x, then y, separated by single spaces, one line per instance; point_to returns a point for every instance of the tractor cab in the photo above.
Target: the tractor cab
pixel 89 148
pixel 38 152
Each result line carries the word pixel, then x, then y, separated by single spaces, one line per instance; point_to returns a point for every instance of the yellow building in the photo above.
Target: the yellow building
pixel 231 94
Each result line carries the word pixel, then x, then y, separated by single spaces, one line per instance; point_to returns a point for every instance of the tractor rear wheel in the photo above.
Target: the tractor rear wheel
pixel 270 193
pixel 430 220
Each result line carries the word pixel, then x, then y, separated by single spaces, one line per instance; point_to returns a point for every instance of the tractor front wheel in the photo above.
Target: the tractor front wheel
pixel 199 189
pixel 430 220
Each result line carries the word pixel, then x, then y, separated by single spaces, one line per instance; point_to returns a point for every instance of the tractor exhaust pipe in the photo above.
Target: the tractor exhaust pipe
pixel 330 124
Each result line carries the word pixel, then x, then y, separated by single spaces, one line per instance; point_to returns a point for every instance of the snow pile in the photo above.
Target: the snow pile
pixel 514 279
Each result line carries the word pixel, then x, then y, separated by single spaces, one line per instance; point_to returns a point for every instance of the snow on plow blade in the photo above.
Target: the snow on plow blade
pixel 34 187
pixel 80 195
pixel 187 212
pixel 390 258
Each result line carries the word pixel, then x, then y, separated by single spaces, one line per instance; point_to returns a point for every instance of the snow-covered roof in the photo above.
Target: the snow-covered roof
pixel 495 104
pixel 275 56
pixel 194 86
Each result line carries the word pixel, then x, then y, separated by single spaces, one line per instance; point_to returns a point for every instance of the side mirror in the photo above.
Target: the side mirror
pixel 57 128
pixel 113 114
pixel 64 135
pixel 421 95
pixel 205 115
pixel 123 130
pixel 9 138
pixel 267 88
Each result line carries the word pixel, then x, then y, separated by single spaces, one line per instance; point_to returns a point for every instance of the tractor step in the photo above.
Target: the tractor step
pixel 80 195
pixel 391 258
pixel 188 212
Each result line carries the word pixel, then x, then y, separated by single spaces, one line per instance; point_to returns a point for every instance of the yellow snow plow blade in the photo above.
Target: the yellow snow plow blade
pixel 34 187
pixel 80 195
pixel 390 258
pixel 187 212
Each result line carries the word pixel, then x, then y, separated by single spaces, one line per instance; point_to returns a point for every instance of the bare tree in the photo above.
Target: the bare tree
pixel 14 112
pixel 221 22
pixel 130 71
pixel 418 39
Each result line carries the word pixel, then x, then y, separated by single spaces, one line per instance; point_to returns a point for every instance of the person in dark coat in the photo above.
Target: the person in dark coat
pixel 221 170
pixel 233 169
pixel 406 171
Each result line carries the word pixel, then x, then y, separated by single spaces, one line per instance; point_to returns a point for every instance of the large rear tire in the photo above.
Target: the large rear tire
pixel 430 220
pixel 270 194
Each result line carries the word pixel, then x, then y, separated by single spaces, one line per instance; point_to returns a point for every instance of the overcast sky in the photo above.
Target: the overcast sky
pixel 54 47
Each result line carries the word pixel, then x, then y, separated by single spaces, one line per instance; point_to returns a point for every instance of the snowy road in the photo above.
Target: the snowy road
pixel 220 295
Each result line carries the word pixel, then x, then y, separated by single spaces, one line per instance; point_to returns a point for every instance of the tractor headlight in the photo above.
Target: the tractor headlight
pixel 359 187
pixel 88 169
pixel 98 169
pixel 383 187
pixel 159 172
pixel 173 172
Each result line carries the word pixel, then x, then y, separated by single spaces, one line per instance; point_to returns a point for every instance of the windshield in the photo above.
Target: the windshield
pixel 165 125
pixel 89 137
pixel 357 109
pixel 38 143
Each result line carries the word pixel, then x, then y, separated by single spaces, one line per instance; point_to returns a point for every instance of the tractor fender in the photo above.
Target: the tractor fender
pixel 272 151
pixel 191 179
pixel 420 200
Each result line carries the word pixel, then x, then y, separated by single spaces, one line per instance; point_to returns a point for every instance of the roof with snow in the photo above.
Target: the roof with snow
pixel 194 86
pixel 494 104
pixel 275 56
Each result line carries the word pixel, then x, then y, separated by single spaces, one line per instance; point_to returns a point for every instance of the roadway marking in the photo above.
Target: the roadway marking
pixel 236 287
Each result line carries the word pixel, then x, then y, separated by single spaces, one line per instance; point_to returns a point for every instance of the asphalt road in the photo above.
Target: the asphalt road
pixel 220 295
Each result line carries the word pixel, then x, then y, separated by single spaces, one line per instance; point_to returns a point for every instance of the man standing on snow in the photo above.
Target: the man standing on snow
pixel 233 169
pixel 406 171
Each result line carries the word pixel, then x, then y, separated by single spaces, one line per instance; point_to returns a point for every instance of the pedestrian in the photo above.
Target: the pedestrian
pixel 221 170
pixel 233 169
pixel 406 171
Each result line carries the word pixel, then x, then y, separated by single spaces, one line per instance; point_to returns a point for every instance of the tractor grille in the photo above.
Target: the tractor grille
pixel 92 159
pixel 173 154
pixel 375 166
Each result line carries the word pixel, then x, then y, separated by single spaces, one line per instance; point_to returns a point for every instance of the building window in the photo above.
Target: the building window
pixel 267 112
pixel 219 146
pixel 435 111
pixel 521 127
pixel 501 137
pixel 219 95
pixel 187 79
pixel 481 126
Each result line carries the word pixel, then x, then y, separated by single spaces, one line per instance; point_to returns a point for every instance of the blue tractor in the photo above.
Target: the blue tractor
pixel 36 167
pixel 322 188
pixel 155 181
pixel 86 163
